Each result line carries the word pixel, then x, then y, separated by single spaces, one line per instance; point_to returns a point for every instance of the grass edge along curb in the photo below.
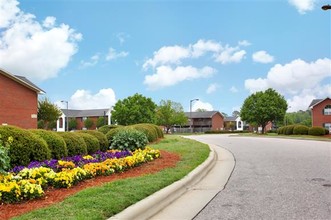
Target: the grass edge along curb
pixel 99 203
pixel 154 203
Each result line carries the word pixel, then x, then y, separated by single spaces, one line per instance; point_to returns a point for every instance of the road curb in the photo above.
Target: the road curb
pixel 154 203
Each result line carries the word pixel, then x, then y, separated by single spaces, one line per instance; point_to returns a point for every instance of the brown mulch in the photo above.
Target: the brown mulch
pixel 53 196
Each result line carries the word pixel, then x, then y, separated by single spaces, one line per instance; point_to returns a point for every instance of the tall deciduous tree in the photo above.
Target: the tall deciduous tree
pixel 263 107
pixel 48 113
pixel 133 110
pixel 170 113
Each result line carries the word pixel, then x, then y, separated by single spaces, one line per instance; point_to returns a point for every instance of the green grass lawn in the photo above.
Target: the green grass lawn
pixel 308 137
pixel 105 201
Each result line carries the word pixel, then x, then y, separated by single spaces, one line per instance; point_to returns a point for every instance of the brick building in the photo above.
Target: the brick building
pixel 18 100
pixel 81 115
pixel 321 112
pixel 203 121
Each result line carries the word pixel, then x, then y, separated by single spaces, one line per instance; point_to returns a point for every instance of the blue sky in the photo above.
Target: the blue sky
pixel 93 53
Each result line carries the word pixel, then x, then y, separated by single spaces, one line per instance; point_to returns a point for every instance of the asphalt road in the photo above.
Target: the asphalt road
pixel 273 179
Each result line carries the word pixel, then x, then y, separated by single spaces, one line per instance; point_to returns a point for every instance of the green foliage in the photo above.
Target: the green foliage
pixel 281 130
pixel 111 133
pixel 4 157
pixel 92 143
pixel 134 110
pixel 263 107
pixel 101 121
pixel 316 131
pixel 129 139
pixel 101 138
pixel 327 131
pixel 300 130
pixel 299 117
pixel 47 112
pixel 170 113
pixel 75 143
pixel 41 124
pixel 72 124
pixel 104 129
pixel 55 143
pixel 289 129
pixel 88 123
pixel 148 130
pixel 26 146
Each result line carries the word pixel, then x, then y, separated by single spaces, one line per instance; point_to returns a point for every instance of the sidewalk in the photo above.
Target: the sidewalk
pixel 185 198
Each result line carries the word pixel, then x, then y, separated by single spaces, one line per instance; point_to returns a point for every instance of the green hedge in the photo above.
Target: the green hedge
pixel 101 137
pixel 55 142
pixel 289 129
pixel 26 146
pixel 75 143
pixel 104 129
pixel 300 130
pixel 92 143
pixel 316 131
pixel 148 129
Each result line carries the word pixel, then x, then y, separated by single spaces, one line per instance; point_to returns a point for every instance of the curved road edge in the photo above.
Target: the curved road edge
pixel 185 198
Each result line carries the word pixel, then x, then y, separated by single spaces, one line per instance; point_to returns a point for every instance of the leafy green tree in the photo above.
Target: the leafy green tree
pixel 170 113
pixel 201 110
pixel 88 123
pixel 299 117
pixel 134 110
pixel 47 113
pixel 101 121
pixel 72 124
pixel 235 113
pixel 263 107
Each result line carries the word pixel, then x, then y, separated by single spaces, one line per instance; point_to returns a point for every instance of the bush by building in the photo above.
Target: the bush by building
pixel 75 143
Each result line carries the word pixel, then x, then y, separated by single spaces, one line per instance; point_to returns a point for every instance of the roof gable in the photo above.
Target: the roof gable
pixel 205 114
pixel 23 81
pixel 315 102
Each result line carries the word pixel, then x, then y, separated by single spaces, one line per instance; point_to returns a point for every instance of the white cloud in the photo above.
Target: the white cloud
pixel 202 105
pixel 262 57
pixel 175 54
pixel 122 37
pixel 84 99
pixel 303 5
pixel 91 62
pixel 167 55
pixel 202 46
pixel 166 76
pixel 45 46
pixel 293 77
pixel 230 55
pixel 212 88
pixel 233 89
pixel 112 54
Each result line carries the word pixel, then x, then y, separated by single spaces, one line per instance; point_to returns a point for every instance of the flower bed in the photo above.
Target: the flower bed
pixel 30 182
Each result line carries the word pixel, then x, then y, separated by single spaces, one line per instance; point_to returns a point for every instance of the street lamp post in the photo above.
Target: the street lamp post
pixel 191 121
pixel 66 118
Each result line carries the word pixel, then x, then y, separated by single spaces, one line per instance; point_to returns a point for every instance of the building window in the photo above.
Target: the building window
pixel 60 122
pixel 327 126
pixel 239 124
pixel 327 110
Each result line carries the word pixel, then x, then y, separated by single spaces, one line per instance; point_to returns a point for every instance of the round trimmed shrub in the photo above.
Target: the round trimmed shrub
pixel 111 133
pixel 316 131
pixel 92 143
pixel 280 130
pixel 129 139
pixel 26 146
pixel 101 138
pixel 75 143
pixel 148 130
pixel 104 129
pixel 289 129
pixel 300 129
pixel 55 143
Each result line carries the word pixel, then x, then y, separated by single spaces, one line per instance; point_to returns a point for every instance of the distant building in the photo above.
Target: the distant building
pixel 321 112
pixel 81 115
pixel 18 101
pixel 234 123
pixel 202 121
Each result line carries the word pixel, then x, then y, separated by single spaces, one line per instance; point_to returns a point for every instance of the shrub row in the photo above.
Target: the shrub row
pixel 40 145
pixel 224 132
pixel 130 138
pixel 302 130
